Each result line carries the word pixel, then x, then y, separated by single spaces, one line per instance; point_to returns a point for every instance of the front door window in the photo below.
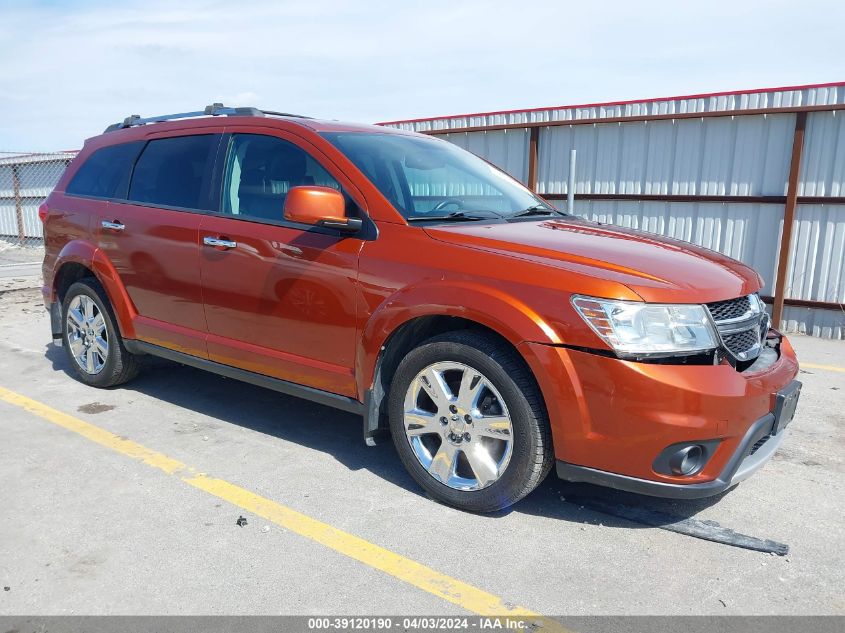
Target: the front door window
pixel 260 172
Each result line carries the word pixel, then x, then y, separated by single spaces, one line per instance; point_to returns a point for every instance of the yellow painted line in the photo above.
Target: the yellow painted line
pixel 420 576
pixel 94 433
pixel 825 367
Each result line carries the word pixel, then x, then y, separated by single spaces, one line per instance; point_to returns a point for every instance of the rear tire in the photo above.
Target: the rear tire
pixel 494 446
pixel 91 338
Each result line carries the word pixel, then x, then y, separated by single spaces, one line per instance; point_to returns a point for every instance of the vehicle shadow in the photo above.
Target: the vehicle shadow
pixel 295 420
pixel 597 505
pixel 339 434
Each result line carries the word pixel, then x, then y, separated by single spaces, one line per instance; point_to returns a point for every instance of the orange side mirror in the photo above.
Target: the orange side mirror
pixel 319 206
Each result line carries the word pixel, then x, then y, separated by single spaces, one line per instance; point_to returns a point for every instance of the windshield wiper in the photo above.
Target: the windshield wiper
pixel 455 216
pixel 537 209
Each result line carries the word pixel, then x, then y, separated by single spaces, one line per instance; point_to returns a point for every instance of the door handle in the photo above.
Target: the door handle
pixel 112 226
pixel 217 242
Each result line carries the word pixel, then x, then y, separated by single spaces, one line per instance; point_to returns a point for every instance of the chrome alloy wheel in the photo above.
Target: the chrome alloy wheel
pixel 87 336
pixel 458 426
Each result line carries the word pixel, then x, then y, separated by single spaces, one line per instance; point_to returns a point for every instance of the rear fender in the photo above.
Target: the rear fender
pixel 80 252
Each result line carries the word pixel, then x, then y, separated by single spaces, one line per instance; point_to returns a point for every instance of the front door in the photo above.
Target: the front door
pixel 280 297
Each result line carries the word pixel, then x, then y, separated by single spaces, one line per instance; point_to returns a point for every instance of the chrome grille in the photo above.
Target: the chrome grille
pixel 730 309
pixel 740 324
pixel 742 341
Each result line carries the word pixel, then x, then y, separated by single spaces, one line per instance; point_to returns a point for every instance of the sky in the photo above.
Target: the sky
pixel 69 68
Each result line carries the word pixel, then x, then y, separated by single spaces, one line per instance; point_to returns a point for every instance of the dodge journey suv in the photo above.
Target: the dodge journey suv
pixel 401 278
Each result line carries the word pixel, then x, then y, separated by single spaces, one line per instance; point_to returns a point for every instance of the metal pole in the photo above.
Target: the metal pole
pixel 570 187
pixel 788 218
pixel 533 138
pixel 16 188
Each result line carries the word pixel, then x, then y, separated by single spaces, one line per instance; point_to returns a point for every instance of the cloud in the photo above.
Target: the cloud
pixel 67 69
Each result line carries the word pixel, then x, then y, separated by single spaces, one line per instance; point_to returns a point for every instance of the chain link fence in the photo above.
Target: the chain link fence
pixel 26 179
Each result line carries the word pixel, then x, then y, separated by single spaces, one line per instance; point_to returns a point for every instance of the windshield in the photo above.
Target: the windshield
pixel 426 178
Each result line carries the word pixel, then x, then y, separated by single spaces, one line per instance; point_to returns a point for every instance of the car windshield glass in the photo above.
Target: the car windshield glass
pixel 426 178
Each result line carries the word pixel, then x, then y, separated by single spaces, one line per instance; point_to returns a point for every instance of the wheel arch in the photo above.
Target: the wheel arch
pixel 487 306
pixel 79 260
pixel 69 273
pixel 402 339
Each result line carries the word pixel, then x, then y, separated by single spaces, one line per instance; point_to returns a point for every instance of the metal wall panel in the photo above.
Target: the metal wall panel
pixel 720 156
pixel 751 100
pixel 6 182
pixel 31 224
pixel 823 163
pixel 747 232
pixel 716 156
pixel 822 323
pixel 37 175
pixel 8 213
pixel 507 149
pixel 8 220
pixel 817 256
pixel 38 179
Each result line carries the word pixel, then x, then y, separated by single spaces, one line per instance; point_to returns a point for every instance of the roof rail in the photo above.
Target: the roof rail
pixel 215 109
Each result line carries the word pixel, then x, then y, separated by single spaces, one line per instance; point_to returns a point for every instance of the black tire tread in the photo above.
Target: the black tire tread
pixel 503 354
pixel 125 365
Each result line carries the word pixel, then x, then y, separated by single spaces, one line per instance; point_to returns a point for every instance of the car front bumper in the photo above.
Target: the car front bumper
pixel 611 418
pixel 740 467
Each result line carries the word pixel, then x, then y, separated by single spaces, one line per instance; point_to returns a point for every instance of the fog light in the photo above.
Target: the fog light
pixel 687 460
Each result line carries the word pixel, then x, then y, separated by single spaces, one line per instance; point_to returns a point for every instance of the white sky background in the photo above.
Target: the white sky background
pixel 69 68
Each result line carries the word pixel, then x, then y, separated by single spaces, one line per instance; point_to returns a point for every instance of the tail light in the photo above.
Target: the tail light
pixel 43 210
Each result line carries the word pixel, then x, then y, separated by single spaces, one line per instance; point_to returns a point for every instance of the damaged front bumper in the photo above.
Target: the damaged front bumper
pixel 756 448
pixel 628 425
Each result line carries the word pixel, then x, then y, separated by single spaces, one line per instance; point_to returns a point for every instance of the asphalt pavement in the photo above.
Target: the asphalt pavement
pixel 126 501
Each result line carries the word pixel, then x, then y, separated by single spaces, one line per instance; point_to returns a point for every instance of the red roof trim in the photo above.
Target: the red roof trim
pixel 616 103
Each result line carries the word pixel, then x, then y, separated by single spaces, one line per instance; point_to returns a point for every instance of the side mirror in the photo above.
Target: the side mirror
pixel 319 206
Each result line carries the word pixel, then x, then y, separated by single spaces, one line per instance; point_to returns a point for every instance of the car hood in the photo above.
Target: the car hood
pixel 656 268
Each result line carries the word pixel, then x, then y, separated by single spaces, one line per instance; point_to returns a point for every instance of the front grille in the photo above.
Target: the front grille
pixel 739 323
pixel 741 341
pixel 730 309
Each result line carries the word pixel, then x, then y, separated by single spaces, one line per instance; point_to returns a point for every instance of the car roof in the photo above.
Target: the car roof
pixel 135 127
pixel 324 125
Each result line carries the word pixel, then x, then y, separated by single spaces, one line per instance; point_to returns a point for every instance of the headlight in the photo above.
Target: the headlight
pixel 638 329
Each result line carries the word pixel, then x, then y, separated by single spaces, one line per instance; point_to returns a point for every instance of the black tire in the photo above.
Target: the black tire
pixel 120 365
pixel 532 456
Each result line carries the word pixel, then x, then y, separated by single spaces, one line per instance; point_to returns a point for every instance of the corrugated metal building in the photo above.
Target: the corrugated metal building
pixel 25 181
pixel 721 170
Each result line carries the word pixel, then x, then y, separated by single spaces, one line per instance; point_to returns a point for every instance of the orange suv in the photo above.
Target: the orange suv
pixel 399 277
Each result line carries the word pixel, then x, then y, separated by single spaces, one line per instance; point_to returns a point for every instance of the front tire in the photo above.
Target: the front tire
pixel 91 339
pixel 469 422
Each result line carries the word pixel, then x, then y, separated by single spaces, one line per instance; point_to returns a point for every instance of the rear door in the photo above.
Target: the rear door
pixel 280 297
pixel 151 239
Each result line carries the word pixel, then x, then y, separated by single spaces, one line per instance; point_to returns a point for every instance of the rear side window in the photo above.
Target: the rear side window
pixel 172 171
pixel 105 174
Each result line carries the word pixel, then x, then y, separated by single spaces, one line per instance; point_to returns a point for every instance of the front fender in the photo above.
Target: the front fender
pixel 502 313
pixel 88 255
